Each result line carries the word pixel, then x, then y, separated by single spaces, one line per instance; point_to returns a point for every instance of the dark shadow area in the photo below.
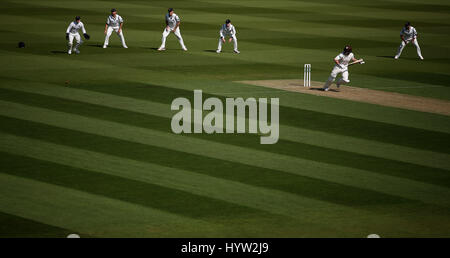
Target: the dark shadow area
pixel 391 57
pixel 58 52
pixel 95 45
pixel 321 89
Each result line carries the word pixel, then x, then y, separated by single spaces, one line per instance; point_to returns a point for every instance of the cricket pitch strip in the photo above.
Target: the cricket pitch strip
pixel 384 98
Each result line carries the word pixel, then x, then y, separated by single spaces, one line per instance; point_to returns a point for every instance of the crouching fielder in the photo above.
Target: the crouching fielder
pixel 408 34
pixel 72 33
pixel 172 25
pixel 342 60
pixel 114 22
pixel 228 30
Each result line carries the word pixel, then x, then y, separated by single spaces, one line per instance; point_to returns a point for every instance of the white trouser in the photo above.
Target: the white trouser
pixel 234 40
pixel 334 73
pixel 77 38
pixel 403 44
pixel 109 32
pixel 177 34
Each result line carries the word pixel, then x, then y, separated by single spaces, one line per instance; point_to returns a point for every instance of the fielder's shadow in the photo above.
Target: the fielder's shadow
pixel 321 89
pixel 58 52
pixel 95 45
pixel 390 57
pixel 209 50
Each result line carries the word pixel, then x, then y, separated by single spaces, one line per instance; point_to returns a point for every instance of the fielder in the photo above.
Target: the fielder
pixel 114 22
pixel 227 29
pixel 172 25
pixel 408 34
pixel 72 33
pixel 342 60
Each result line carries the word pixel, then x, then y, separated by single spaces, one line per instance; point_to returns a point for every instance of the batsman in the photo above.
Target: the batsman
pixel 342 61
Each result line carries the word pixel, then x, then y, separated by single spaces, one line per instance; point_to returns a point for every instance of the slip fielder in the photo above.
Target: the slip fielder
pixel 172 25
pixel 114 22
pixel 72 33
pixel 342 60
pixel 408 34
pixel 229 30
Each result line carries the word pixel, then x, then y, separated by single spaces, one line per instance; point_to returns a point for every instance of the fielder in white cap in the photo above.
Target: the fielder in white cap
pixel 229 30
pixel 408 34
pixel 114 22
pixel 172 25
pixel 341 66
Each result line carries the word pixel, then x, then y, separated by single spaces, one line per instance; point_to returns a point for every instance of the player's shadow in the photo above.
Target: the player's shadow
pixel 210 50
pixel 390 57
pixel 58 52
pixel 95 45
pixel 321 89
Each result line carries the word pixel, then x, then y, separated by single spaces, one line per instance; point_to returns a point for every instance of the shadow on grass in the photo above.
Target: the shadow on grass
pixel 58 52
pixel 391 57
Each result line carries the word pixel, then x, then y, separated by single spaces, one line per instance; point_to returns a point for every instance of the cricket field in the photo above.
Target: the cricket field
pixel 86 145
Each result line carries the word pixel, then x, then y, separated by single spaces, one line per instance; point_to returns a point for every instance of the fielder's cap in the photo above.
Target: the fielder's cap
pixel 77 18
pixel 227 21
pixel 113 10
pixel 170 9
pixel 21 44
pixel 407 24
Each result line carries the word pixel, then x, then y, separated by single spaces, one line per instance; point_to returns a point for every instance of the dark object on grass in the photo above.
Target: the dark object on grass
pixel 21 44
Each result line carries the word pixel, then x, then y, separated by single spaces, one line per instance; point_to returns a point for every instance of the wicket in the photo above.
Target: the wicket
pixel 307 75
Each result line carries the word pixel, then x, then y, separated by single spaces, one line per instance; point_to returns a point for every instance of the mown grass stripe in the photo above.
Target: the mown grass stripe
pixel 294 134
pixel 249 174
pixel 252 158
pixel 305 210
pixel 128 190
pixel 12 226
pixel 91 214
pixel 307 152
pixel 312 120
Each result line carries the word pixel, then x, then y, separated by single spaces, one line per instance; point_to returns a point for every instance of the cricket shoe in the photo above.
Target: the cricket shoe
pixel 218 51
pixel 396 57
pixel 184 49
pixel 105 46
pixel 237 51
pixel 77 51
pixel 69 52
pixel 326 89
pixel 125 46
pixel 161 49
pixel 421 57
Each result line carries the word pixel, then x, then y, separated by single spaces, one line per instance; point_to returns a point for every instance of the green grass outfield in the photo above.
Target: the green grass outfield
pixel 97 157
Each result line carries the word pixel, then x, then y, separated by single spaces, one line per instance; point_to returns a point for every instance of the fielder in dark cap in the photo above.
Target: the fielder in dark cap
pixel 72 33
pixel 408 34
pixel 227 30
pixel 114 22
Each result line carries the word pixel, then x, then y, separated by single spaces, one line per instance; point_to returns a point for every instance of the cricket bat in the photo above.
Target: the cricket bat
pixel 360 61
